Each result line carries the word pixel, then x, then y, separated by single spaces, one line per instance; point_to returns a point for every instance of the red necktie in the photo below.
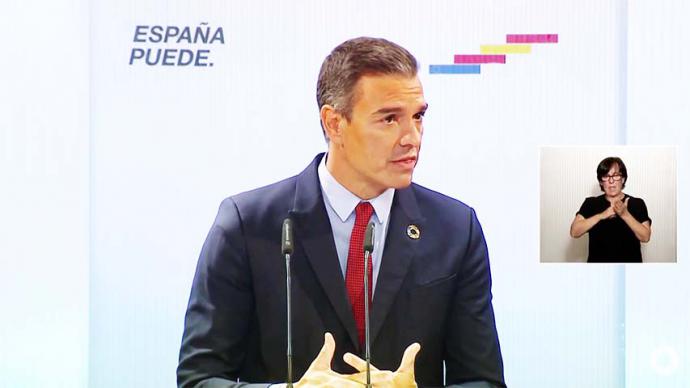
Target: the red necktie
pixel 354 277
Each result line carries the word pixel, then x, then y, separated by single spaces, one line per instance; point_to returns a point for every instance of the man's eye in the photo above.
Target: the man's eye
pixel 389 119
pixel 418 116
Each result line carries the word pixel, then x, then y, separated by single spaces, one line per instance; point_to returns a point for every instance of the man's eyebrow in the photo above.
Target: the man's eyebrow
pixel 397 109
pixel 392 109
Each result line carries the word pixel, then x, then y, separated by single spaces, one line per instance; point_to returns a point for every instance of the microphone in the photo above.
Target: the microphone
pixel 287 247
pixel 368 248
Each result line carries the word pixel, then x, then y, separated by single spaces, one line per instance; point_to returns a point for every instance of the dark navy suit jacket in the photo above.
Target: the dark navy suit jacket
pixel 435 290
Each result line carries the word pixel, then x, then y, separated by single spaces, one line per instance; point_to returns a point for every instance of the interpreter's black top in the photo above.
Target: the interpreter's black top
pixel 611 240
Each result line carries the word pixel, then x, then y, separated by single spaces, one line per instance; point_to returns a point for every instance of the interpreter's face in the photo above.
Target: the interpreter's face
pixel 380 144
pixel 612 182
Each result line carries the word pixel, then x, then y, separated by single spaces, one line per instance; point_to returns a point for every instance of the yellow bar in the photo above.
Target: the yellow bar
pixel 506 48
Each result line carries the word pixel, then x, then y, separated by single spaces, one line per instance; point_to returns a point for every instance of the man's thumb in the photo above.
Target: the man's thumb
pixel 407 362
pixel 325 356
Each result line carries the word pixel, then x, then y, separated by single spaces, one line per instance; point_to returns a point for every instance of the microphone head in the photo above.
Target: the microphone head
pixel 369 238
pixel 286 245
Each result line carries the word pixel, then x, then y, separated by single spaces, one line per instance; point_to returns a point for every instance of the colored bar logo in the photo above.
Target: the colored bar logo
pixel 532 38
pixel 478 58
pixel 505 48
pixel 454 69
pixel 492 54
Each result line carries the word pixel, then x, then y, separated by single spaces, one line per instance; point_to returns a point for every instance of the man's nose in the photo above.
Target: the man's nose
pixel 412 134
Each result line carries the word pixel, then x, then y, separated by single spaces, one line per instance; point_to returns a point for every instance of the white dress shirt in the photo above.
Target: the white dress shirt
pixel 340 206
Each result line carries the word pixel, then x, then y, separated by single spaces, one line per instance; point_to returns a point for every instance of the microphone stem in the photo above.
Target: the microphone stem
pixel 289 321
pixel 367 354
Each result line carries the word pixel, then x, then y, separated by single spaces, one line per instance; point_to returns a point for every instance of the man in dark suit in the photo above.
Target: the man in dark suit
pixel 430 272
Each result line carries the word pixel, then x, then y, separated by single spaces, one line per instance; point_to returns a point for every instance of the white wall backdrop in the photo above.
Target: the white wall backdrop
pixel 112 173
pixel 169 143
pixel 657 310
pixel 44 194
pixel 568 176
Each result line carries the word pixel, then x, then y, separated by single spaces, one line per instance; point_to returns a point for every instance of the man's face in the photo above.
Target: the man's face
pixel 378 147
pixel 612 182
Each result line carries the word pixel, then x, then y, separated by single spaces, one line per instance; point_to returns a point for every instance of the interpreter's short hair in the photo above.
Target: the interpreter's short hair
pixel 606 165
pixel 351 60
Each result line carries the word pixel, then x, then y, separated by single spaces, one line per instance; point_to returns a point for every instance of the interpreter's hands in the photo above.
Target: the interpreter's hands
pixel 403 377
pixel 608 213
pixel 621 207
pixel 320 373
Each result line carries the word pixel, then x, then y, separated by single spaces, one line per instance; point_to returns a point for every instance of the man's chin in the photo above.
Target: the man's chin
pixel 402 183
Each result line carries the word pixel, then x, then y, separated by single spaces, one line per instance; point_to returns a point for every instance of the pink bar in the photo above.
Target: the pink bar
pixel 480 58
pixel 532 38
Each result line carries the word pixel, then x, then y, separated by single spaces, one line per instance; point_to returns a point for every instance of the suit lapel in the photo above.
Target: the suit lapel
pixel 397 256
pixel 313 231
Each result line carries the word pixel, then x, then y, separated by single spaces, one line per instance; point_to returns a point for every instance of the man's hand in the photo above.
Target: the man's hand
pixel 403 377
pixel 320 373
pixel 621 207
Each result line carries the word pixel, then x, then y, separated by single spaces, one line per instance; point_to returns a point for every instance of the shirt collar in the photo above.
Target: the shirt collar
pixel 344 202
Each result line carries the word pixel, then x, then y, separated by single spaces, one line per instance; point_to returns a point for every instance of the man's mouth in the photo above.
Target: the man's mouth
pixel 407 162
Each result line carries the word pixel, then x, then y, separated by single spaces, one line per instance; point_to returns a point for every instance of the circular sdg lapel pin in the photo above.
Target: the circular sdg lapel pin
pixel 413 232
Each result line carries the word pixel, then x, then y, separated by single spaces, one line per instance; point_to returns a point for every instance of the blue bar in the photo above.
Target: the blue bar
pixel 454 69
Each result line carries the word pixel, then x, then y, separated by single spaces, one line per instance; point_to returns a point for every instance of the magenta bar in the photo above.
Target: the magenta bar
pixel 479 58
pixel 532 38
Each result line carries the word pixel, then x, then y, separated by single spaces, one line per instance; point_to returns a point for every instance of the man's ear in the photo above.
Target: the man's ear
pixel 333 123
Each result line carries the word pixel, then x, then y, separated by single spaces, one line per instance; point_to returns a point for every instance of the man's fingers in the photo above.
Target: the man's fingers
pixel 408 357
pixel 357 362
pixel 323 359
pixel 377 377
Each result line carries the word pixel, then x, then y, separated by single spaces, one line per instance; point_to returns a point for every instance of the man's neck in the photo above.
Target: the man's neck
pixel 347 179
